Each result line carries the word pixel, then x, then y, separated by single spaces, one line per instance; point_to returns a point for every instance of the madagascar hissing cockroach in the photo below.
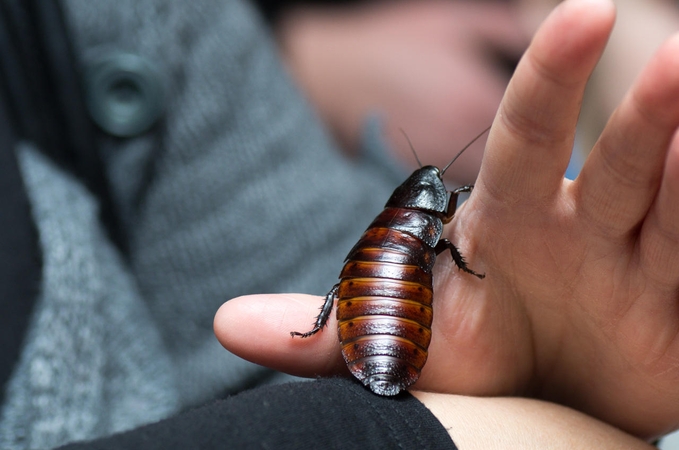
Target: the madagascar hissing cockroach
pixel 384 297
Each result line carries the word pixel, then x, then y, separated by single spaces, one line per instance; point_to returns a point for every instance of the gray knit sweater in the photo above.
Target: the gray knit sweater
pixel 239 190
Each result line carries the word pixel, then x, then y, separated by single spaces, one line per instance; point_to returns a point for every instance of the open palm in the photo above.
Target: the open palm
pixel 581 300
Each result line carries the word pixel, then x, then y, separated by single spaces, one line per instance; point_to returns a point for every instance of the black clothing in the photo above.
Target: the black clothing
pixel 272 9
pixel 326 413
pixel 20 262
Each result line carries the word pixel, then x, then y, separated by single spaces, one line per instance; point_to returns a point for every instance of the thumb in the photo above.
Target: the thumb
pixel 257 328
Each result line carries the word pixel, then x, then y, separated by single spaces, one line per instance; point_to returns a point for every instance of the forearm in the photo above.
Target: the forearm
pixel 477 423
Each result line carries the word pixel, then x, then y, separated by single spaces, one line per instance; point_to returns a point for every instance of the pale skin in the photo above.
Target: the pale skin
pixel 476 423
pixel 438 68
pixel 580 303
pixel 431 67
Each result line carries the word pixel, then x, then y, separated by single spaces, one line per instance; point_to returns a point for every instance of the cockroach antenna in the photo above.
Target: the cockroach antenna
pixel 411 147
pixel 465 148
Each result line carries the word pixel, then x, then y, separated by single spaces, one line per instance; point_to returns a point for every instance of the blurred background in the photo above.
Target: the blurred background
pixel 180 141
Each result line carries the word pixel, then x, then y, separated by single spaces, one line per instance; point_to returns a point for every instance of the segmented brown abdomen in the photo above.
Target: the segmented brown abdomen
pixel 384 301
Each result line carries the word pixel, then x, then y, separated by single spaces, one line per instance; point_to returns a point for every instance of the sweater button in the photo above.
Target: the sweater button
pixel 124 92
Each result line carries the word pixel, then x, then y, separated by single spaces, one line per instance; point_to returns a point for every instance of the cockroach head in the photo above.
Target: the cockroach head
pixel 424 190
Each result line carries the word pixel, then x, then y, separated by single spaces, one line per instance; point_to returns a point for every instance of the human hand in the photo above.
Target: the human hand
pixel 579 305
pixel 434 68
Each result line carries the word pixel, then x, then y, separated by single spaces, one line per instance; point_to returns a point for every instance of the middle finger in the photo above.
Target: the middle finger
pixel 531 141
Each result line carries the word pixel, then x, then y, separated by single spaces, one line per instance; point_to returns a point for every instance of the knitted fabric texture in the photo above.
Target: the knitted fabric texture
pixel 94 362
pixel 239 190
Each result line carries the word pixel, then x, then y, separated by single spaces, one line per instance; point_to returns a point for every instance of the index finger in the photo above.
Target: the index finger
pixel 530 145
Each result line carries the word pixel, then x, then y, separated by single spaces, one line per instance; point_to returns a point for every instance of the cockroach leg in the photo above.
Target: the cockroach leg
pixel 452 202
pixel 322 318
pixel 444 244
